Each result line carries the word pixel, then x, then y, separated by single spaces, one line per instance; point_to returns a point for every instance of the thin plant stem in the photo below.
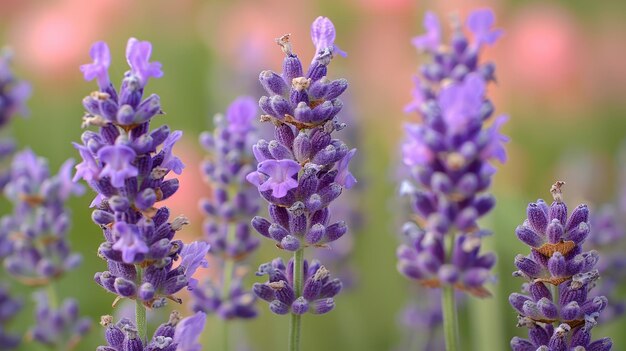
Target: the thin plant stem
pixel 296 321
pixel 140 313
pixel 448 307
pixel 227 276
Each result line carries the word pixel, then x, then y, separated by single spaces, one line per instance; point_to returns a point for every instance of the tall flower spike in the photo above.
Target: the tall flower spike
pixel 13 96
pixel 560 318
pixel 228 211
pixel 450 155
pixel 126 164
pixel 299 172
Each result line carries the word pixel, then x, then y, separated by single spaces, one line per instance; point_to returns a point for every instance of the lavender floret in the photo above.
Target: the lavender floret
pixel 127 164
pixel 561 318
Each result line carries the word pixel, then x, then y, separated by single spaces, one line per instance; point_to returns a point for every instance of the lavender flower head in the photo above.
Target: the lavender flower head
pixel 59 328
pixel 318 290
pixel 174 335
pixel 127 164
pixel 304 168
pixel 36 248
pixel 9 307
pixel 450 156
pixel 233 202
pixel 560 319
pixel 13 96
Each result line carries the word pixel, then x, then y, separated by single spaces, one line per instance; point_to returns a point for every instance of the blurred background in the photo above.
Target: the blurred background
pixel 561 78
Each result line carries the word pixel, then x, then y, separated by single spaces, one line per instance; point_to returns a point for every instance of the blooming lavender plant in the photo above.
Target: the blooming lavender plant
pixel 234 201
pixel 556 306
pixel 126 163
pixel 38 252
pixel 450 155
pixel 299 174
pixel 174 335
pixel 13 95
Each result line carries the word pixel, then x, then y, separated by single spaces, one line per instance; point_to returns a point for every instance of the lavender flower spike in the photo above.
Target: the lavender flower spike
pixel 9 307
pixel 450 155
pixel 13 96
pixel 301 172
pixel 562 322
pixel 126 164
pixel 227 226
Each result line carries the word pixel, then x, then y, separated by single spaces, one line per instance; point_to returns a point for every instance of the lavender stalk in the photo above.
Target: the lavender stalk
pixel 556 305
pixel 299 174
pixel 126 164
pixel 450 155
pixel 233 202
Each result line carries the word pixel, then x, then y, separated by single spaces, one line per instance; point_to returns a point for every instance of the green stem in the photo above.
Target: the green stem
pixel 448 307
pixel 296 322
pixel 52 296
pixel 140 313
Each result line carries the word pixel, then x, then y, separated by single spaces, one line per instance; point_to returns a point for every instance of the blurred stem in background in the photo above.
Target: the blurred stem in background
pixel 296 319
pixel 227 276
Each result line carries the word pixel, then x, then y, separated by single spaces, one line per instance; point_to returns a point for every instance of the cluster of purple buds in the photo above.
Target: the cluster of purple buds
pixel 234 201
pixel 175 335
pixel 35 245
pixel 556 306
pixel 304 168
pixel 9 307
pixel 422 320
pixel 317 293
pixel 13 96
pixel 609 237
pixel 126 163
pixel 61 328
pixel 450 155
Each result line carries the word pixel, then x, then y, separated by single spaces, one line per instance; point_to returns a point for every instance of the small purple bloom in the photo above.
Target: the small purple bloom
pixel 495 140
pixel 138 57
pixel 99 68
pixel 170 161
pixel 280 173
pixel 432 38
pixel 240 114
pixel 194 257
pixel 188 332
pixel 344 177
pixel 128 242
pixel 461 103
pixel 117 163
pixel 323 36
pixel 414 150
pixel 479 23
pixel 88 169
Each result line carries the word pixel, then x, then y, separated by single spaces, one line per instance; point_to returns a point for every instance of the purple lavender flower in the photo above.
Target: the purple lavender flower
pixel 126 163
pixel 60 328
pixel 234 201
pixel 450 155
pixel 13 96
pixel 561 319
pixel 9 307
pixel 36 248
pixel 175 335
pixel 317 295
pixel 300 173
